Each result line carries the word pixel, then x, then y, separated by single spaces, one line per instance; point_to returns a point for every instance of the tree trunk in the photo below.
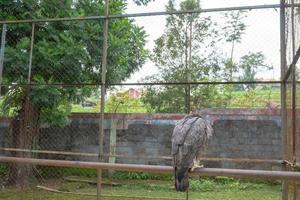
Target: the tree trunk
pixel 23 128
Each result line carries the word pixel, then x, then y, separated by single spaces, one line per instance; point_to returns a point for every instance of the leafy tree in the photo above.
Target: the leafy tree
pixel 233 30
pixel 173 56
pixel 122 103
pixel 64 53
pixel 187 51
pixel 249 65
pixel 142 2
pixel 167 99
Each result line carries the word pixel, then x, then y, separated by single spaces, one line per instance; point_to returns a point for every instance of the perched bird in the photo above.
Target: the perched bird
pixel 189 139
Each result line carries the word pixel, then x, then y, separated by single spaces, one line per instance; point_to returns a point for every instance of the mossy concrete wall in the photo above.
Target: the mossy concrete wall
pixel 146 138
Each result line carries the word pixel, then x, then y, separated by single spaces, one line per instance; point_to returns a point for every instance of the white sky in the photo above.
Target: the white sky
pixel 262 32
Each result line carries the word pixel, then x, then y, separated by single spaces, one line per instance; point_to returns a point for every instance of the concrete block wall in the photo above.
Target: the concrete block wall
pixel 141 137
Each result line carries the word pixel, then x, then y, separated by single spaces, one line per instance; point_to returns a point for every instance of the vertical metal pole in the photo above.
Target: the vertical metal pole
pixel 294 85
pixel 294 137
pixel 103 80
pixel 2 50
pixel 189 79
pixel 186 87
pixel 283 91
pixel 112 144
pixel 31 52
pixel 190 66
pixel 293 27
pixel 3 36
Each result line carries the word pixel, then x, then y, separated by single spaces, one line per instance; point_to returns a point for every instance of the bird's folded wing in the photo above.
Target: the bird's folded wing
pixel 180 133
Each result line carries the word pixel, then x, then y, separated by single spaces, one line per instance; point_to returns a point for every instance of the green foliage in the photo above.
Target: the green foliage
pixel 234 27
pixel 133 175
pixel 224 183
pixel 168 99
pixel 57 172
pixel 122 103
pixel 3 170
pixel 142 2
pixel 250 65
pixel 201 185
pixel 211 96
pixel 255 98
pixel 11 101
pixel 218 188
pixel 140 176
pixel 173 54
pixel 80 109
pixel 171 49
pixel 30 9
pixel 187 51
pixel 233 30
pixel 144 189
pixel 66 53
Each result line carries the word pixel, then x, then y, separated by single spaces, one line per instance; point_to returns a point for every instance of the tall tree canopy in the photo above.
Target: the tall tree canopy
pixel 189 50
pixel 66 52
pixel 185 52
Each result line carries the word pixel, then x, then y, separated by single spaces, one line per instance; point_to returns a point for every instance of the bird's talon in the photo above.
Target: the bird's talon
pixel 196 167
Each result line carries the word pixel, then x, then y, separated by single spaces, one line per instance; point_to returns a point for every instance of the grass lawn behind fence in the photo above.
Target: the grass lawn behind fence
pixel 204 188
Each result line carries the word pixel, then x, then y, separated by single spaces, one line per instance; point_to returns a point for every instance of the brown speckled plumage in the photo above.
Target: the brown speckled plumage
pixel 190 137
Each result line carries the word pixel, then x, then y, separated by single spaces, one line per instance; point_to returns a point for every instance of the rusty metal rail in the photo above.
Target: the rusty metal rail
pixel 237 173
pixel 71 153
pixel 147 14
pixel 178 83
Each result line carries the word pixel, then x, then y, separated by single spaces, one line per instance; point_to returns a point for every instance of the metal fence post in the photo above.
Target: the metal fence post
pixel 103 81
pixel 31 52
pixel 294 98
pixel 3 36
pixel 283 92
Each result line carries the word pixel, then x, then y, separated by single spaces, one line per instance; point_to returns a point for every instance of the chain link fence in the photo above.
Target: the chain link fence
pixel 292 125
pixel 51 99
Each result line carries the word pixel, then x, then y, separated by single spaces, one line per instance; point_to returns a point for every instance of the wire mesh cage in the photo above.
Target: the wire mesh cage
pixel 79 125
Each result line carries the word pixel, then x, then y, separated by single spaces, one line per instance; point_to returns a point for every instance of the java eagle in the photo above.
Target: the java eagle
pixel 189 139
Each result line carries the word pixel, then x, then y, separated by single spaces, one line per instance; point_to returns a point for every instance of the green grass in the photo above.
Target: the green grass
pixel 239 99
pixel 79 108
pixel 254 99
pixel 204 188
pixel 57 172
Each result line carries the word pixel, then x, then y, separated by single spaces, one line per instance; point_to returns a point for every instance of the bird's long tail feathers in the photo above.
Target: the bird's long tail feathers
pixel 181 179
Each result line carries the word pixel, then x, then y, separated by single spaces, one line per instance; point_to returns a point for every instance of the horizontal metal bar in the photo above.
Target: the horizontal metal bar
pixel 50 152
pixel 64 19
pixel 255 7
pixel 140 157
pixel 81 154
pixel 151 83
pixel 243 160
pixel 238 173
pixel 200 83
pixel 294 62
pixel 207 10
